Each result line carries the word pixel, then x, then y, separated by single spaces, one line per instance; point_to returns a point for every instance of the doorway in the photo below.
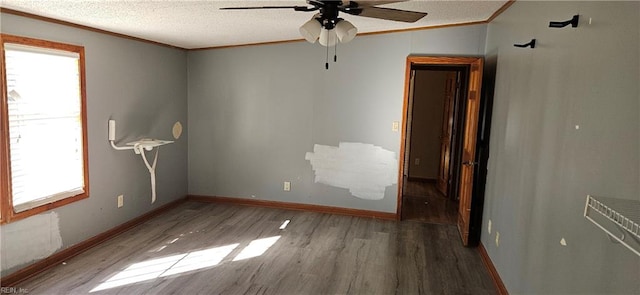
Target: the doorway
pixel 433 121
pixel 448 182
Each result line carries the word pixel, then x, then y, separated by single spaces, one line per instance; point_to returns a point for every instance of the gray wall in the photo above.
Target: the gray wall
pixel 426 123
pixel 541 167
pixel 144 88
pixel 255 111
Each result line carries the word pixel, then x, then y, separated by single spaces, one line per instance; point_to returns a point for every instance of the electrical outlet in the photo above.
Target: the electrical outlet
pixel 417 161
pixel 120 201
pixel 287 186
pixel 395 127
pixel 497 239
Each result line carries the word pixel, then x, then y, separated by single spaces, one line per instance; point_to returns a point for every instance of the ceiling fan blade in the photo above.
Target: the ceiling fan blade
pixel 392 14
pixel 363 3
pixel 296 8
pixel 355 8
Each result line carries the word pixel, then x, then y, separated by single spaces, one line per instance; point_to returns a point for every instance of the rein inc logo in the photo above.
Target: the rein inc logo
pixel 13 290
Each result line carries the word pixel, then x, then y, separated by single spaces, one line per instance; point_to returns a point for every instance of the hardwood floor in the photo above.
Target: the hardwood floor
pixel 202 248
pixel 421 201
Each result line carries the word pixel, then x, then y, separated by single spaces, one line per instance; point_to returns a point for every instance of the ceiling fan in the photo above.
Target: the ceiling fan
pixel 327 27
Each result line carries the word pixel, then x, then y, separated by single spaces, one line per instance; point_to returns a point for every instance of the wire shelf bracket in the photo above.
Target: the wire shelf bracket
pixel 624 214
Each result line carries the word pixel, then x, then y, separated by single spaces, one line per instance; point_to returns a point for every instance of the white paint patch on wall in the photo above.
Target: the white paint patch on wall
pixel 30 239
pixel 364 169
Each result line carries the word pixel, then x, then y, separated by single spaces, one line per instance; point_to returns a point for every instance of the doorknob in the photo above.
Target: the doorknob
pixel 469 163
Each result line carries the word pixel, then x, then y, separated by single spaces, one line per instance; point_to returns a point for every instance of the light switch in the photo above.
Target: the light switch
pixel 396 126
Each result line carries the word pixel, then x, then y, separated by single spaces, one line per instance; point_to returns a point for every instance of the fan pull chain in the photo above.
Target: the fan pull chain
pixel 335 55
pixel 326 61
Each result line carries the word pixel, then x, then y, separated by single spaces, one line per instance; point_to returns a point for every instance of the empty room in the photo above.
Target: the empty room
pixel 319 147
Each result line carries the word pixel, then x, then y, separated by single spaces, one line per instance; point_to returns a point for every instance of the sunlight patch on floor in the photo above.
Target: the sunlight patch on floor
pixel 165 266
pixel 256 248
pixel 284 224
pixel 185 262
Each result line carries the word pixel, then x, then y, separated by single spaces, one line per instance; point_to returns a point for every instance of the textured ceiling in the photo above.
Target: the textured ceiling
pixel 200 24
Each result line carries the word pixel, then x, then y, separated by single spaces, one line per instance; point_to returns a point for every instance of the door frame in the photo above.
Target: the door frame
pixel 474 83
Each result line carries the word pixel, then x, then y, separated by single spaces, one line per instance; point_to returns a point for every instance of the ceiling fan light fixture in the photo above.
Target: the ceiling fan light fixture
pixel 345 31
pixel 328 38
pixel 311 30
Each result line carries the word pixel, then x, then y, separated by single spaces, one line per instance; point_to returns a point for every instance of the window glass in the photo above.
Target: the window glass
pixel 45 123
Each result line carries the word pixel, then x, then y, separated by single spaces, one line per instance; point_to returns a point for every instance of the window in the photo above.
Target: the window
pixel 43 123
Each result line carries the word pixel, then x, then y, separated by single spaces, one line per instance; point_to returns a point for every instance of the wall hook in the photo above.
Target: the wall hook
pixel 531 44
pixel 573 22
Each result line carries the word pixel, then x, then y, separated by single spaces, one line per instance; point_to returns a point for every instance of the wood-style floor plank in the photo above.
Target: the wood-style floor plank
pixel 195 249
pixel 422 201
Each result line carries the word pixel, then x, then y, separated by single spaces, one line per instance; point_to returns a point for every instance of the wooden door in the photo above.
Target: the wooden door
pixel 407 126
pixel 445 137
pixel 469 150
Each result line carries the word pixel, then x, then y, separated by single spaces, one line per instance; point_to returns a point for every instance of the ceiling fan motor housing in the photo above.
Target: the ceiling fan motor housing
pixel 329 14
